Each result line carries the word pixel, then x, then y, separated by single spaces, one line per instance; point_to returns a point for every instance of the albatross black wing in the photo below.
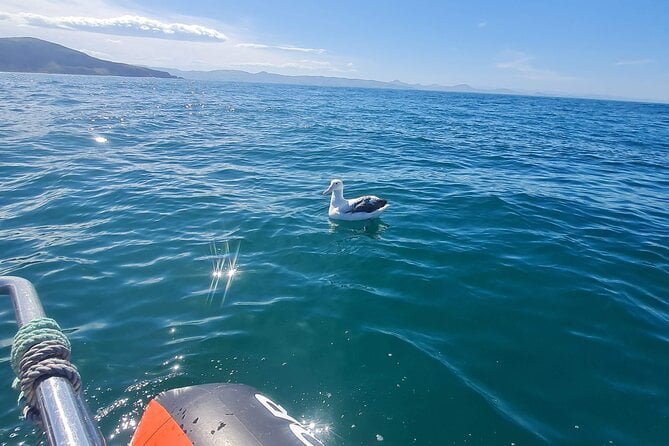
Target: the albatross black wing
pixel 367 204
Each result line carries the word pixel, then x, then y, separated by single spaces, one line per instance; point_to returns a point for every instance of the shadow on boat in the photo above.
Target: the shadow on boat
pixel 370 228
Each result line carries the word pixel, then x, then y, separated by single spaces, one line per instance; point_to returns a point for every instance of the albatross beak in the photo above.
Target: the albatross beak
pixel 328 190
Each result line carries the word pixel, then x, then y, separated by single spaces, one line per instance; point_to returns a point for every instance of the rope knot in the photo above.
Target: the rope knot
pixel 41 350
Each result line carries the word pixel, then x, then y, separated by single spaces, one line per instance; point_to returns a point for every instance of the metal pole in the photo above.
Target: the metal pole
pixel 66 419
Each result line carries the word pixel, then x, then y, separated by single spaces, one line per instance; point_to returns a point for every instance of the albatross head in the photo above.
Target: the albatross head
pixel 335 185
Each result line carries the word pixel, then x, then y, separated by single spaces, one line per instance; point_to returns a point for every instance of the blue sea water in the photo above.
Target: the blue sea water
pixel 515 292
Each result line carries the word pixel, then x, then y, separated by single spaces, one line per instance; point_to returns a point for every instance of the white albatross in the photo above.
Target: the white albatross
pixel 361 208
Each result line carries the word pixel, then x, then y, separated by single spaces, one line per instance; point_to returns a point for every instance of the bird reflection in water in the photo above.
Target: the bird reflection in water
pixel 224 264
pixel 370 228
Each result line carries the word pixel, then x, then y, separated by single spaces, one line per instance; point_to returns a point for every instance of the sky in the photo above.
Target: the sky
pixel 582 48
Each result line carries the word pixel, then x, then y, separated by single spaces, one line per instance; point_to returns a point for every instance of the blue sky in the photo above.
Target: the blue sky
pixel 613 48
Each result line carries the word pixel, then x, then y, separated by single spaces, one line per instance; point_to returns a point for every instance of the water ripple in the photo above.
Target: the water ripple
pixel 517 286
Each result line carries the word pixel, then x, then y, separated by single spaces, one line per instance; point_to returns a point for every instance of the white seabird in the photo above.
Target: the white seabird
pixel 361 208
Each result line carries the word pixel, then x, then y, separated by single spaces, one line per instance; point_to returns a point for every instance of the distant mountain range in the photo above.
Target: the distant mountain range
pixel 30 55
pixel 321 81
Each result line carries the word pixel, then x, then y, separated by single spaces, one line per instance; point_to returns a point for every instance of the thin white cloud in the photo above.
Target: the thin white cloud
pixel 127 25
pixel 98 54
pixel 280 47
pixel 482 24
pixel 308 65
pixel 272 65
pixel 634 62
pixel 252 45
pixel 522 65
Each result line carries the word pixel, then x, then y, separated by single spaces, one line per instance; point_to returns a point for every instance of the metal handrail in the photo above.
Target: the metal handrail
pixel 66 419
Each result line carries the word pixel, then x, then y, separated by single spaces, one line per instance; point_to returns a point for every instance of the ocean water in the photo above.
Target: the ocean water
pixel 515 292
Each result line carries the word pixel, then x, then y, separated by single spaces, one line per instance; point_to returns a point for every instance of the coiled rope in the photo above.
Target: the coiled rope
pixel 40 350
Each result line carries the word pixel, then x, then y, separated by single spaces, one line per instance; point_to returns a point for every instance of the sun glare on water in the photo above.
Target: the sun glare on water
pixel 228 273
pixel 224 265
